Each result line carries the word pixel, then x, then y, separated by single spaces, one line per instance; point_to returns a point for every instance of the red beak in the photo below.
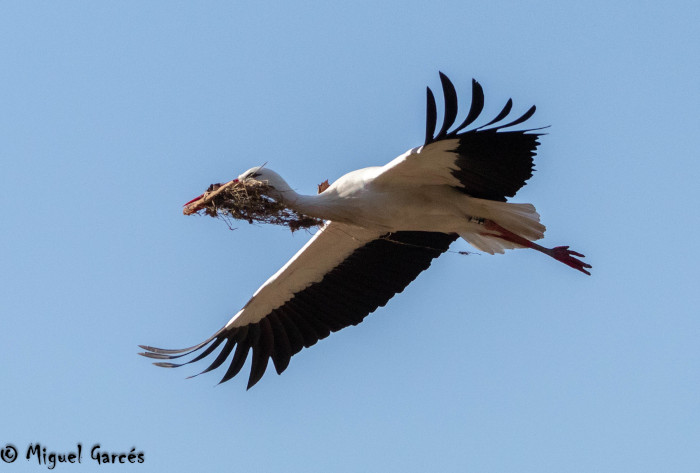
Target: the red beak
pixel 200 196
pixel 196 198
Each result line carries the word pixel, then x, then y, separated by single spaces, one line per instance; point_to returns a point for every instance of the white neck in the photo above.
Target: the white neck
pixel 311 205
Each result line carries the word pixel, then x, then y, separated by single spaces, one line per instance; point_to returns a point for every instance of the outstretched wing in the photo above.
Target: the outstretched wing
pixel 488 162
pixel 340 276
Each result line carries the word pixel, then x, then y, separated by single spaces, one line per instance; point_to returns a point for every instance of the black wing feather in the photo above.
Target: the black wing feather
pixel 450 95
pixel 294 334
pixel 504 113
pixel 206 352
pixel 282 349
pixel 520 120
pixel 476 107
pixel 431 114
pixel 225 352
pixel 238 360
pixel 261 352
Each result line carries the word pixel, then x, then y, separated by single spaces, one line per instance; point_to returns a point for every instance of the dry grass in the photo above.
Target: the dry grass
pixel 248 200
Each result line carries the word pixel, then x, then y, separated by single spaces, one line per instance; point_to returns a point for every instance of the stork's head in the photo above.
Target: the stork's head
pixel 263 174
pixel 279 186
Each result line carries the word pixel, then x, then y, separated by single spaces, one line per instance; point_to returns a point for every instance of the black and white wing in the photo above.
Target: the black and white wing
pixel 489 161
pixel 340 276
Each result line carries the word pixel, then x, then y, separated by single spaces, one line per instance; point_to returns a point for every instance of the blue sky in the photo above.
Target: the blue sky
pixel 115 114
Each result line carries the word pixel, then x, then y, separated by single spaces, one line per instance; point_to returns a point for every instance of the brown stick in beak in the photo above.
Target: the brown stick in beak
pixel 196 204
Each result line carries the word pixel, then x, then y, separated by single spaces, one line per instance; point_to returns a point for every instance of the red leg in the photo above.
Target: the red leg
pixel 559 253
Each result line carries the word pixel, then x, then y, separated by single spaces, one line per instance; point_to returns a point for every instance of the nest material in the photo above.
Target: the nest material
pixel 248 200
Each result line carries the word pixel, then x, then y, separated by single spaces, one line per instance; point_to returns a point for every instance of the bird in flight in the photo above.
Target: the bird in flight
pixel 383 226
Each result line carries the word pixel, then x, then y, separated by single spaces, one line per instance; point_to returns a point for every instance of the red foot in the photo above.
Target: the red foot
pixel 566 256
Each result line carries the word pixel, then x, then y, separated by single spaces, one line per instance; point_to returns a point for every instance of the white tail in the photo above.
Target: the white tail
pixel 521 219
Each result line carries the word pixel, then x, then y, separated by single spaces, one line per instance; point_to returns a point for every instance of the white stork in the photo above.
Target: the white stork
pixel 384 225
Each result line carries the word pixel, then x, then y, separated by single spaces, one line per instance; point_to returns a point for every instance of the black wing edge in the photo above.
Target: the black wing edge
pixel 475 109
pixel 364 281
pixel 493 163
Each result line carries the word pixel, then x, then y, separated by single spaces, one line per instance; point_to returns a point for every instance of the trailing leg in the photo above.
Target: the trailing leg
pixel 559 253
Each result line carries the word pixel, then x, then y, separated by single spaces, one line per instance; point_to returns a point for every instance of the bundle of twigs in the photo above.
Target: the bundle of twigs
pixel 248 200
